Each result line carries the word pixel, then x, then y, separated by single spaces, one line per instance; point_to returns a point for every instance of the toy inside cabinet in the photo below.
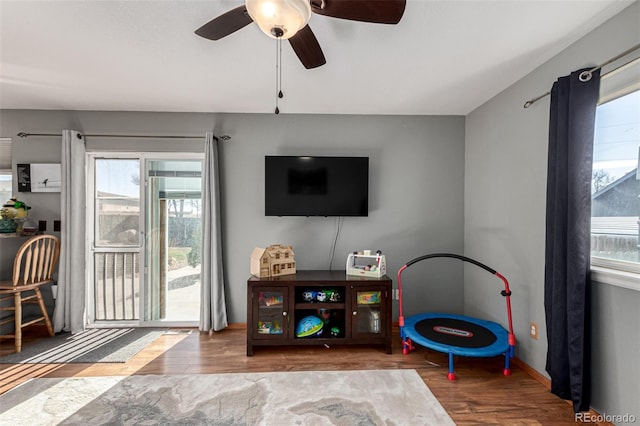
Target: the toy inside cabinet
pixel 364 263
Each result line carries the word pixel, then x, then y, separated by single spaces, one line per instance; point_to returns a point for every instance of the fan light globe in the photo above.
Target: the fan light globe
pixel 279 18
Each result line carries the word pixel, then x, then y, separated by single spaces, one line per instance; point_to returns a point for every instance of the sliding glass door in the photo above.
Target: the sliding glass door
pixel 146 237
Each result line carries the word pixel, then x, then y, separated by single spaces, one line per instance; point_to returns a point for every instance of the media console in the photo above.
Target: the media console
pixel 319 308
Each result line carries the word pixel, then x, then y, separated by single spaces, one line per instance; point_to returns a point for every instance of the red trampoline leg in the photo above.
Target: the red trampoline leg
pixel 407 346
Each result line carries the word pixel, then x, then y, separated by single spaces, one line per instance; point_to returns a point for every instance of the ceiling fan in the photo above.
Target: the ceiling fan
pixel 287 19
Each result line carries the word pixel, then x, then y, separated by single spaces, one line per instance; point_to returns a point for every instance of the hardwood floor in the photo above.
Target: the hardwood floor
pixel 481 395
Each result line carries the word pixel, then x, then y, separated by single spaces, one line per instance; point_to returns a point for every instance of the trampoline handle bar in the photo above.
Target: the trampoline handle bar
pixel 455 256
pixel 400 316
pixel 507 296
pixel 506 293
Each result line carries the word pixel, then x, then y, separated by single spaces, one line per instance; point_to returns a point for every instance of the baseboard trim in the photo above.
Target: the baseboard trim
pixel 546 382
pixel 532 372
pixel 237 326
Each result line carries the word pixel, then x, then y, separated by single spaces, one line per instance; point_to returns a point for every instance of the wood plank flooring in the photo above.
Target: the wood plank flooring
pixel 481 395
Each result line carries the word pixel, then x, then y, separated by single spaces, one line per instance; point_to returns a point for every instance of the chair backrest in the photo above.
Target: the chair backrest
pixel 36 260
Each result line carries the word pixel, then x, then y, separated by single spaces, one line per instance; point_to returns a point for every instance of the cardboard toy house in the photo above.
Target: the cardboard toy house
pixel 273 261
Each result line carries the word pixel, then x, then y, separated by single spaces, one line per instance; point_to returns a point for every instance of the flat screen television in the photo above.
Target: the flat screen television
pixel 316 186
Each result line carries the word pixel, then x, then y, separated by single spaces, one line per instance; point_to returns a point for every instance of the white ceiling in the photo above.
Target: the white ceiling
pixel 444 57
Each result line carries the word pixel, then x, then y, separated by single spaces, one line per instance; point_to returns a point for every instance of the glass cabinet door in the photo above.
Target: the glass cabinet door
pixel 271 315
pixel 368 312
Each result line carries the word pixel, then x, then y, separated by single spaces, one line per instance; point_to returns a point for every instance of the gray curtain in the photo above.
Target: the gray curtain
pixel 213 309
pixel 69 314
pixel 568 231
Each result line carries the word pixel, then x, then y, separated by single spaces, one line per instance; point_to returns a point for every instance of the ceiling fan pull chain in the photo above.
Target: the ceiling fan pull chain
pixel 279 94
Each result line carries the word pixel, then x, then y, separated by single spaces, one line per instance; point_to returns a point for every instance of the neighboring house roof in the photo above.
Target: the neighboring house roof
pixel 619 198
pixel 633 173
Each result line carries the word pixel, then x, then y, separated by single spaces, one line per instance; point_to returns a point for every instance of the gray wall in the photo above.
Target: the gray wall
pixel 505 187
pixel 416 186
pixel 616 372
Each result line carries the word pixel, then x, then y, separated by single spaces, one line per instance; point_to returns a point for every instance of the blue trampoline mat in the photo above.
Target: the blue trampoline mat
pixel 457 334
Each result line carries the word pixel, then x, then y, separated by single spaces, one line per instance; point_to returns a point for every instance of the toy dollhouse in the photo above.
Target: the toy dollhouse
pixel 272 261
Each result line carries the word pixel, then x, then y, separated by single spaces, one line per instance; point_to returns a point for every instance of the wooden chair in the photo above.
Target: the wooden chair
pixel 33 267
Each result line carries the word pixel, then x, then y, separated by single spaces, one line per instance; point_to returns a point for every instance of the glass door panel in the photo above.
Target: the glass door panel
pixel 116 244
pixel 270 312
pixel 368 311
pixel 173 223
pixel 272 316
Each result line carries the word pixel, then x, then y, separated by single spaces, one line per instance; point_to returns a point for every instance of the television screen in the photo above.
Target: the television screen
pixel 316 186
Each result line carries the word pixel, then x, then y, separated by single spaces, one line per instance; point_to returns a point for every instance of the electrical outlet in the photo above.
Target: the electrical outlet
pixel 533 330
pixel 396 294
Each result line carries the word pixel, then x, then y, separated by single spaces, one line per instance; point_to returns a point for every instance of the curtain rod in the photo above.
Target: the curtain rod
pixel 586 75
pixel 223 137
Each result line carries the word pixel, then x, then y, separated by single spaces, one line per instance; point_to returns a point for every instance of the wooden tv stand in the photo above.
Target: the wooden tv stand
pixel 318 308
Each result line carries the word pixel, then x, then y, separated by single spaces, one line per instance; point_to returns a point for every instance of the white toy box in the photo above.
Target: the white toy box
pixel 364 263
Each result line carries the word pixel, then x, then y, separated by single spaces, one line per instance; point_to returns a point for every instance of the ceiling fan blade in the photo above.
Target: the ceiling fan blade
pixel 225 24
pixel 306 46
pixel 376 11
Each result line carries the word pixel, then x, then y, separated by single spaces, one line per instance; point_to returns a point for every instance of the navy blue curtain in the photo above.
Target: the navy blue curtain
pixel 568 228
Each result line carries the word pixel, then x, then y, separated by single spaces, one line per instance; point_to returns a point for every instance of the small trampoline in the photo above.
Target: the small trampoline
pixel 457 335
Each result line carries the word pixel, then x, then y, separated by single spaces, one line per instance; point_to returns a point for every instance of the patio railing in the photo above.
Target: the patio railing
pixel 116 293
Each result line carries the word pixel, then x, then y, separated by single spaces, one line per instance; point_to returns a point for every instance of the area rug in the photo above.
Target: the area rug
pixel 90 346
pixel 344 398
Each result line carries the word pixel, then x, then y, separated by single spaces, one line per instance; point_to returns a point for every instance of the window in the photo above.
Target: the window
pixel 5 186
pixel 615 212
pixel 6 180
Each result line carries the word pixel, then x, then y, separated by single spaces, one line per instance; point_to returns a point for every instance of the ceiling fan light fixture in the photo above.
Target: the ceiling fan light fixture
pixel 279 18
